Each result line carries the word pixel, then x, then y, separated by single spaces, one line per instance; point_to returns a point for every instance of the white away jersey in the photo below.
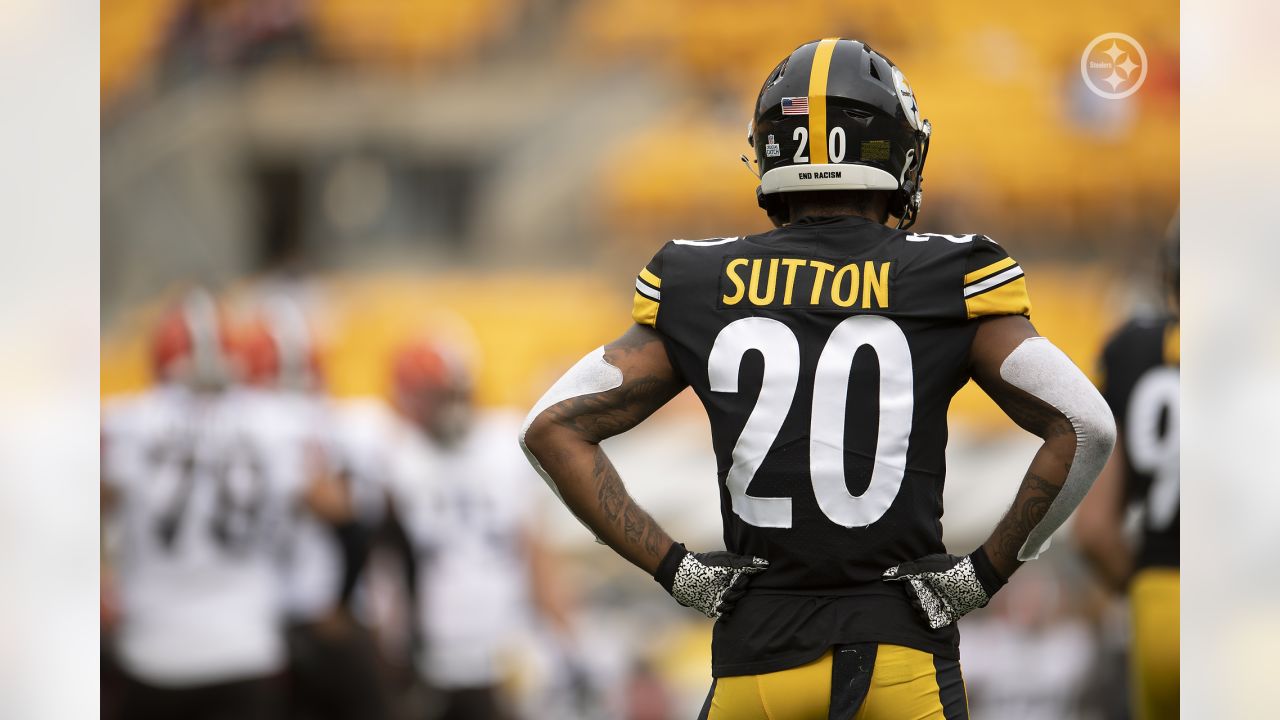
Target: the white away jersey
pixel 203 484
pixel 465 510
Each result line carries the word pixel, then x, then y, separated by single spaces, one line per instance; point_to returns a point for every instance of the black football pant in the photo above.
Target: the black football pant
pixel 334 674
pixel 253 699
pixel 478 703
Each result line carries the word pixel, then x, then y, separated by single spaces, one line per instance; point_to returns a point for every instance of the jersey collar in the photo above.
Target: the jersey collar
pixel 808 221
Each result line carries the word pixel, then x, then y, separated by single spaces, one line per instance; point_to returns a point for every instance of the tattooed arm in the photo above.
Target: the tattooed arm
pixel 608 392
pixel 997 338
pixel 1041 391
pixel 565 439
pixel 1044 393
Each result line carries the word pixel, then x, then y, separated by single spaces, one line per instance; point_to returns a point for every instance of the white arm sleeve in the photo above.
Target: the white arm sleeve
pixel 1040 369
pixel 590 375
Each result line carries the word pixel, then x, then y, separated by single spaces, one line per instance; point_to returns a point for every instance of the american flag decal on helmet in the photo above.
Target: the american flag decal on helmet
pixel 795 106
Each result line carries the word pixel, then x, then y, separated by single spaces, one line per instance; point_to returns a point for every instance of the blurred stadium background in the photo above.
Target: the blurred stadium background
pixel 405 167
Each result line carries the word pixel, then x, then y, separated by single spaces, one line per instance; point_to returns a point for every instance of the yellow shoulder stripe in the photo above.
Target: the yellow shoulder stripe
pixel 1008 299
pixel 644 310
pixel 650 278
pixel 991 269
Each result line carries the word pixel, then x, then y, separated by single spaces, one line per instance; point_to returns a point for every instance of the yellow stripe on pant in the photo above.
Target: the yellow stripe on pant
pixel 1154 664
pixel 905 684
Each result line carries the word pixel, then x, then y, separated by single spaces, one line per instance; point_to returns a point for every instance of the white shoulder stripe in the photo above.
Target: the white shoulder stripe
pixel 926 237
pixel 647 291
pixel 992 281
pixel 706 243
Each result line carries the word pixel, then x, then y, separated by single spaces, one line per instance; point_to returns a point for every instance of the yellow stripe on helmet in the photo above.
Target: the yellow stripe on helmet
pixel 818 100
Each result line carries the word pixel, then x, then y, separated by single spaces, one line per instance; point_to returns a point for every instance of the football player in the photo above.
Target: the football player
pixel 332 665
pixel 461 492
pixel 197 479
pixel 825 353
pixel 1140 383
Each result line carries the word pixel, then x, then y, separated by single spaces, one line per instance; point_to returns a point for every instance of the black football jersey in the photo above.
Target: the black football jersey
pixel 826 354
pixel 1140 383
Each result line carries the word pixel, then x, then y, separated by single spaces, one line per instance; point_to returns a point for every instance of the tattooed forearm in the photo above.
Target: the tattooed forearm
pixel 643 541
pixel 1028 381
pixel 565 438
pixel 635 522
pixel 619 509
pixel 656 541
pixel 1032 502
pixel 609 490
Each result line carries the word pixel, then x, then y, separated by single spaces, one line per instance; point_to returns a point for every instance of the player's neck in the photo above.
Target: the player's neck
pixel 795 216
pixel 875 212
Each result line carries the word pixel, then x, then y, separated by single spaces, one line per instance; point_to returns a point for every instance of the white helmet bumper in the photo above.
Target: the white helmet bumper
pixel 796 178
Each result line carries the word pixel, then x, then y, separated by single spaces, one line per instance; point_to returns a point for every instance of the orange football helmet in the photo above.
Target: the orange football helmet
pixel 192 343
pixel 431 385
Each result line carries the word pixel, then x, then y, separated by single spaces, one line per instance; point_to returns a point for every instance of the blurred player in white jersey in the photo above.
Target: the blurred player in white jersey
pixel 462 493
pixel 332 662
pixel 198 478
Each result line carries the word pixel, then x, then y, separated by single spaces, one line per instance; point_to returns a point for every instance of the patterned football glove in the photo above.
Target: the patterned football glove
pixel 708 582
pixel 944 588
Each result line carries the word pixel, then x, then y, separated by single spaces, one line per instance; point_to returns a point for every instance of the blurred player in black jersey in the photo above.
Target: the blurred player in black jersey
pixel 1140 382
pixel 826 353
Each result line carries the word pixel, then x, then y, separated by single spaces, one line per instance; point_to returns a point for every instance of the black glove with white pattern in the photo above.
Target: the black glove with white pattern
pixel 709 582
pixel 944 588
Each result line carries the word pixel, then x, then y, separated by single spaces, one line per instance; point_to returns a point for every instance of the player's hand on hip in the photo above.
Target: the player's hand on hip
pixel 709 582
pixel 944 588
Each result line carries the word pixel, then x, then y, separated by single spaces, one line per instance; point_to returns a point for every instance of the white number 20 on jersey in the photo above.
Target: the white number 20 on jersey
pixel 781 351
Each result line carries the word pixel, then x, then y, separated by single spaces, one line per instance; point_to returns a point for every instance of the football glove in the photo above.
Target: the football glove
pixel 708 582
pixel 944 588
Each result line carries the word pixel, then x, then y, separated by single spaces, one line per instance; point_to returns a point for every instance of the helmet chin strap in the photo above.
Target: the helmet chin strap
pixel 912 207
pixel 903 222
pixel 747 164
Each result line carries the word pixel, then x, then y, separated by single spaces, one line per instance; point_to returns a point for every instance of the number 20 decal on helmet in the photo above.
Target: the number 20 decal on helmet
pixel 847 119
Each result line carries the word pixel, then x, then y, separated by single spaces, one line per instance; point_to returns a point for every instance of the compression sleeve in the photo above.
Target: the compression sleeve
pixel 1039 368
pixel 590 375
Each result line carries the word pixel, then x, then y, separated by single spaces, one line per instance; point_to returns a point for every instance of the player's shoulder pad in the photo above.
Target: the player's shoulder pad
pixel 935 250
pixel 989 280
pixel 993 282
pixel 647 301
pixel 942 241
pixel 1141 333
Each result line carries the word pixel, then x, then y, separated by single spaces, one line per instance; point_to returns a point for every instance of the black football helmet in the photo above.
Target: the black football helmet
pixel 837 115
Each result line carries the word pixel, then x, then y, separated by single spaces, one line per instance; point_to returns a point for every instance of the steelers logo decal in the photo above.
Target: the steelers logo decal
pixel 907 98
pixel 1113 66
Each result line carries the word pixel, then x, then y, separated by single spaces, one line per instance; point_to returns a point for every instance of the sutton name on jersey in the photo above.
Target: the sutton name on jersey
pixel 772 282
